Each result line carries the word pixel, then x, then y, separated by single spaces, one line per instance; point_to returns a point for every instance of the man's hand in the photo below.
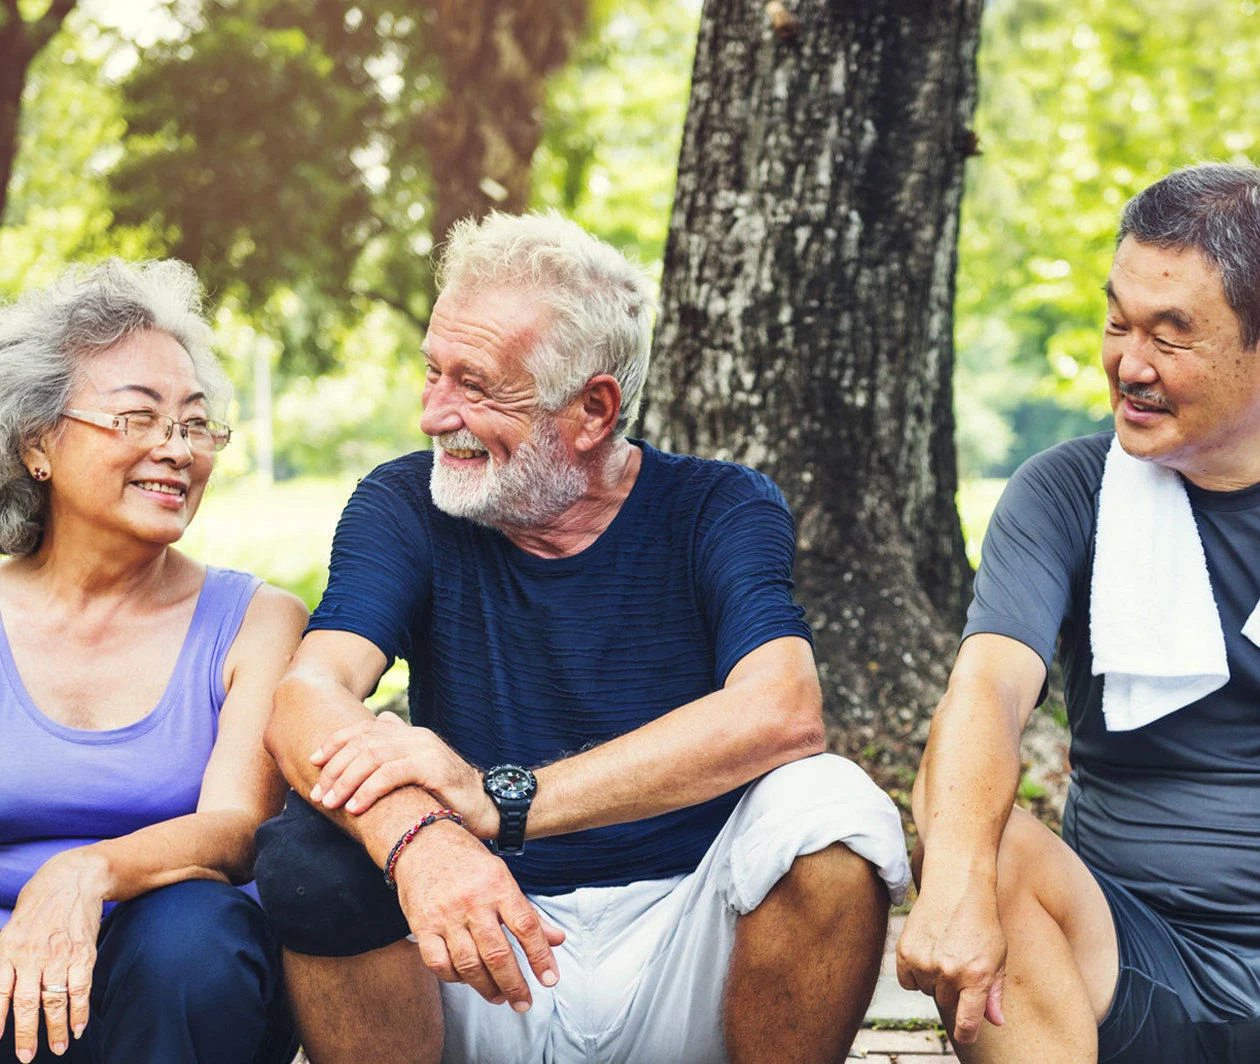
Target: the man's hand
pixel 954 950
pixel 458 898
pixel 367 760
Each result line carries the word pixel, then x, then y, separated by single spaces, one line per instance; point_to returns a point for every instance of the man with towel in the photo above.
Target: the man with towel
pixel 611 833
pixel 1136 937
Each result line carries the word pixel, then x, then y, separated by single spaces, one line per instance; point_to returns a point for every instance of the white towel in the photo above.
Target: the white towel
pixel 1154 626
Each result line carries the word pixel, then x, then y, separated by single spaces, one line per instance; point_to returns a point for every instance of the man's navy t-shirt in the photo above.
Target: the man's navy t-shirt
pixel 521 659
pixel 1171 810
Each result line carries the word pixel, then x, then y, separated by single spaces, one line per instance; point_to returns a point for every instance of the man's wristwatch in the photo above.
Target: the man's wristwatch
pixel 511 788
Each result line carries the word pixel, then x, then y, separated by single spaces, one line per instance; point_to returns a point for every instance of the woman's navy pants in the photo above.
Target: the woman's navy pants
pixel 188 974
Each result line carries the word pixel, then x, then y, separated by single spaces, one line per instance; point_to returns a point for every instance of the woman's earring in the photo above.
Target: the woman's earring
pixel 39 474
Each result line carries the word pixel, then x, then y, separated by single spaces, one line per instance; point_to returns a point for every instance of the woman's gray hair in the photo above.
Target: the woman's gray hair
pixel 1214 209
pixel 44 339
pixel 600 304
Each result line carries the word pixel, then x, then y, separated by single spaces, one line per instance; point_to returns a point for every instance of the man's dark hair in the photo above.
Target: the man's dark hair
pixel 1213 209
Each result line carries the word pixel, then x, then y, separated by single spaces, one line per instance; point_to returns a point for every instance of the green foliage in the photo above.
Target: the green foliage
pixel 254 143
pixel 58 209
pixel 614 121
pixel 1083 103
pixel 280 145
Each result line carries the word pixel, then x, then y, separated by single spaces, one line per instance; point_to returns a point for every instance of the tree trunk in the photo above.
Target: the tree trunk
pixel 20 42
pixel 806 324
pixel 495 57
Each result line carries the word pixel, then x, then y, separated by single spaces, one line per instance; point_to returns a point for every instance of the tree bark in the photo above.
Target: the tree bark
pixel 806 324
pixel 495 57
pixel 20 42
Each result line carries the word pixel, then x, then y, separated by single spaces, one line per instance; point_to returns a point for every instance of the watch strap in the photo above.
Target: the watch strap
pixel 513 813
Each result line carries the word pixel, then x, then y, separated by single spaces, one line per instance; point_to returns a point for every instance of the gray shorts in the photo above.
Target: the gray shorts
pixel 1160 1013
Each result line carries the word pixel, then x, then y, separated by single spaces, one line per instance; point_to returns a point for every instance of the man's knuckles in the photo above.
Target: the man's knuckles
pixel 467 964
pixel 498 955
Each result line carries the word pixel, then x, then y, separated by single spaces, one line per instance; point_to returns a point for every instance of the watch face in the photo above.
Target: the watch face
pixel 510 781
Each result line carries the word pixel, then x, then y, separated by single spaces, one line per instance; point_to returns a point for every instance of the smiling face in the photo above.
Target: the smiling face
pixel 499 459
pixel 104 479
pixel 1185 391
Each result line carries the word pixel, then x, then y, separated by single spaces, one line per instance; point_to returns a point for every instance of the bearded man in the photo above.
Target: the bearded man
pixel 562 859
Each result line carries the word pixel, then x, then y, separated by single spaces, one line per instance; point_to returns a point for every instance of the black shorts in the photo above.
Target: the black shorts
pixel 321 891
pixel 1159 1014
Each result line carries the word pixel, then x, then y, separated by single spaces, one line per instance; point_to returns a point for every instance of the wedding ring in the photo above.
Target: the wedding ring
pixel 56 988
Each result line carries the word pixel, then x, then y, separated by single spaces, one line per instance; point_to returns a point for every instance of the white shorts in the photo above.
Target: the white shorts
pixel 643 967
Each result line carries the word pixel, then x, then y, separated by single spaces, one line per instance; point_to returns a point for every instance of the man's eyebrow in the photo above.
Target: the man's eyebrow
pixel 1179 319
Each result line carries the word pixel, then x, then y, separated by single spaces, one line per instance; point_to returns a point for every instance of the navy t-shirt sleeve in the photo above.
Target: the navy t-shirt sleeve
pixel 745 577
pixel 378 575
pixel 1034 550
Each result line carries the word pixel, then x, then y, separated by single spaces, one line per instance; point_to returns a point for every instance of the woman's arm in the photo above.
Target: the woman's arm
pixel 51 937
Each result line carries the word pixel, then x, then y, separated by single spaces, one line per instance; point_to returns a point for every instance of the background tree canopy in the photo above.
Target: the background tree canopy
pixel 294 150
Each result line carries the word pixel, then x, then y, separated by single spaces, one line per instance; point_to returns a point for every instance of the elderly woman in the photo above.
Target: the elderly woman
pixel 134 687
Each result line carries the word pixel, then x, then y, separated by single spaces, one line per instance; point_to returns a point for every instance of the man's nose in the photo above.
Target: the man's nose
pixel 440 413
pixel 1136 366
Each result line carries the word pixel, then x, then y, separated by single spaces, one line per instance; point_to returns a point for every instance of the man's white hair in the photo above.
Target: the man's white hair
pixel 599 303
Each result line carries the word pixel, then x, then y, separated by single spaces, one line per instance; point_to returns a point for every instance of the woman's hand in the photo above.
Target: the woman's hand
pixel 48 949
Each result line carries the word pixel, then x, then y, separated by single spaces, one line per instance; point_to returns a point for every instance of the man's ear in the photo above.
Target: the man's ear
pixel 597 417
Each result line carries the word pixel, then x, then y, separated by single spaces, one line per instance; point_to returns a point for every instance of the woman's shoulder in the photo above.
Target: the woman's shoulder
pixel 272 625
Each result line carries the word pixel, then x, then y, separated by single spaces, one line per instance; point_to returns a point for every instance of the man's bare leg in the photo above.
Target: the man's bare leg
pixel 381 1007
pixel 805 962
pixel 1062 960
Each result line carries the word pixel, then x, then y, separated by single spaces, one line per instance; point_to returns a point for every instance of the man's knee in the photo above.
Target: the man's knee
pixel 803 783
pixel 322 893
pixel 1021 861
pixel 819 803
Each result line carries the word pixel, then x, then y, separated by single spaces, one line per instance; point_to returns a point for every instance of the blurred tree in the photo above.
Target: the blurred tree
pixel 324 146
pixel 57 209
pixel 609 153
pixel 806 324
pixel 20 41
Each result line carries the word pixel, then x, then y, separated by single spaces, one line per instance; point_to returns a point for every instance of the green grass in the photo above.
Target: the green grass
pixel 282 532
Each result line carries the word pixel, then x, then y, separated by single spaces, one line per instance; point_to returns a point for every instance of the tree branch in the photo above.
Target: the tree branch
pixel 44 29
pixel 12 28
pixel 420 322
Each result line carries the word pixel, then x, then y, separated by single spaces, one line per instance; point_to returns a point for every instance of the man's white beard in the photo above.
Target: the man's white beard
pixel 534 485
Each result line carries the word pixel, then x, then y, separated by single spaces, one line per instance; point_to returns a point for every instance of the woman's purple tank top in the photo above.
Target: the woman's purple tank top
pixel 62 787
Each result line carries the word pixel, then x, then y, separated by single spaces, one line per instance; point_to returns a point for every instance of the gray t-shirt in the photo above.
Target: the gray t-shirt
pixel 1171 810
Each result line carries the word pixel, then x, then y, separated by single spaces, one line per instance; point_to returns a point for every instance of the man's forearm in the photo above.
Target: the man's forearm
pixel 310 707
pixel 697 752
pixel 967 782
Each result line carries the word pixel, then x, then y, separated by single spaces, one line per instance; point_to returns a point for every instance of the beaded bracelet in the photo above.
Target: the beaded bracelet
pixel 411 833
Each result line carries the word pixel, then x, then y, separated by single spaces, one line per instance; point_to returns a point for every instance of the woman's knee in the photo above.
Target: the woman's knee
pixel 198 940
